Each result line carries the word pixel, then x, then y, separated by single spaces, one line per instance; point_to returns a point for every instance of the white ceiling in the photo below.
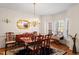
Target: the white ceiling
pixel 41 8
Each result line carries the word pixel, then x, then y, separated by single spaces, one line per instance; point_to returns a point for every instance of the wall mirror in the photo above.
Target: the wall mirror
pixel 23 24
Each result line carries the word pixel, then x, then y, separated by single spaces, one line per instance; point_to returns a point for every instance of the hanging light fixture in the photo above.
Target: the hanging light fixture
pixel 34 7
pixel 35 21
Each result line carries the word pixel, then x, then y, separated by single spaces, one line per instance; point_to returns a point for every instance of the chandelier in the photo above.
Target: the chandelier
pixel 26 23
pixel 35 21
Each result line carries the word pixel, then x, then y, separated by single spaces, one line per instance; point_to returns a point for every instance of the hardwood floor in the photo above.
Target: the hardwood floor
pixel 62 47
pixel 55 45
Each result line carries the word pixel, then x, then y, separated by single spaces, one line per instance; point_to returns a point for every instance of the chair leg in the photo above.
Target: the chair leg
pixel 5 49
pixel 5 52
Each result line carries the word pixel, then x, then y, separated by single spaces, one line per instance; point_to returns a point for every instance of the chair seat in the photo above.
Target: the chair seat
pixel 9 42
pixel 34 50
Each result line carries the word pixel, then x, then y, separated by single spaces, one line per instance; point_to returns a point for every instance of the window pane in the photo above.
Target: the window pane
pixel 61 26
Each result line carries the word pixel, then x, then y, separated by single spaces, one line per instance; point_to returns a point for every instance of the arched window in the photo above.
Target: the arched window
pixel 61 27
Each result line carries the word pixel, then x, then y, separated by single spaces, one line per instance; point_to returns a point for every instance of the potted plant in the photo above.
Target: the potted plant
pixel 74 43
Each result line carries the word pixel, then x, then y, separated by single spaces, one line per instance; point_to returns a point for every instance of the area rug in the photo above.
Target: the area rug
pixel 45 51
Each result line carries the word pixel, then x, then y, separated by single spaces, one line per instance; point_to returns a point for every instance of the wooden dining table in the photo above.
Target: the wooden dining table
pixel 28 41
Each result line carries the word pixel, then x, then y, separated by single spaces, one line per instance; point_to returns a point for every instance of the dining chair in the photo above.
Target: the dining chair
pixel 36 45
pixel 10 41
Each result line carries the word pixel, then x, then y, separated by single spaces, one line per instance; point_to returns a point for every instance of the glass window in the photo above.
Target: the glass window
pixel 60 26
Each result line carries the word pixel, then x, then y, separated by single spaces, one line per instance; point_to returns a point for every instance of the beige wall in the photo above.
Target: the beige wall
pixel 72 14
pixel 13 16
